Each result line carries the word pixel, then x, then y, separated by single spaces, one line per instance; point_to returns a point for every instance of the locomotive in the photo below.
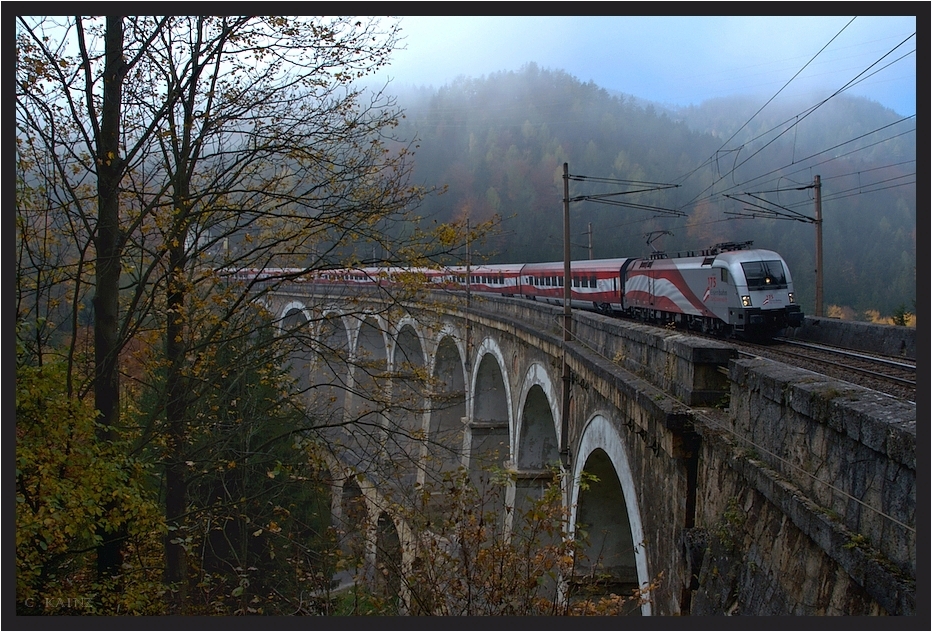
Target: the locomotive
pixel 731 289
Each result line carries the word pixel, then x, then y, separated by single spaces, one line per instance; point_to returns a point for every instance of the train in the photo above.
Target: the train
pixel 731 289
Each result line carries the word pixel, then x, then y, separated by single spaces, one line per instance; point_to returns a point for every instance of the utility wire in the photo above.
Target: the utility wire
pixel 820 104
pixel 746 123
pixel 818 153
pixel 857 79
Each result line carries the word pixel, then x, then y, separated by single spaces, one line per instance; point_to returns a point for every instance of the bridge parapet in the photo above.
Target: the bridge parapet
pixel 869 337
pixel 690 369
pixel 686 367
pixel 836 459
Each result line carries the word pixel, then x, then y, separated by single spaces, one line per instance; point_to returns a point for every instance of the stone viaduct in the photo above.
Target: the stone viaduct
pixel 744 486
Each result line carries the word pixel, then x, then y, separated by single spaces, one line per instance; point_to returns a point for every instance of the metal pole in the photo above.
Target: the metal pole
pixel 567 321
pixel 590 241
pixel 468 299
pixel 818 247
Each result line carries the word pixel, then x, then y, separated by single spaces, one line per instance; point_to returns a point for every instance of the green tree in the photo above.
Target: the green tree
pixel 65 479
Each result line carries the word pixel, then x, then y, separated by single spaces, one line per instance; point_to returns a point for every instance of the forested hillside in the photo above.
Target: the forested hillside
pixel 499 143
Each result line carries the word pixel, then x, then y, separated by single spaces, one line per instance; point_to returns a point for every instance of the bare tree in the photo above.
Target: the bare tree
pixel 177 153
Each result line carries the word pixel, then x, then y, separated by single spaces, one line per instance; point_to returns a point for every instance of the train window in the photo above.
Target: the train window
pixel 724 275
pixel 762 275
pixel 593 282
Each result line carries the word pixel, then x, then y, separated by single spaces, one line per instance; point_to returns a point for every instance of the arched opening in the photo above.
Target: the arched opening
pixel 447 410
pixel 330 378
pixel 608 563
pixel 405 420
pixel 369 399
pixel 489 430
pixel 296 327
pixel 537 453
pixel 354 523
pixel 388 571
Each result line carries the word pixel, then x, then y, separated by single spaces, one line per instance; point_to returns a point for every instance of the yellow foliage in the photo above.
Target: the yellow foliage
pixel 840 312
pixel 69 488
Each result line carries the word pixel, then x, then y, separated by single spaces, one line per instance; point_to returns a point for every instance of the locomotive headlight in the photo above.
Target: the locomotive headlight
pixel 791 297
pixel 746 301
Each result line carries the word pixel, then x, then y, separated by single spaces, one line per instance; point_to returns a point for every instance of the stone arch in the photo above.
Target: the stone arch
pixel 367 400
pixel 447 408
pixel 295 323
pixel 536 440
pixel 537 427
pixel 609 509
pixel 405 418
pixel 290 308
pixel 389 557
pixel 331 378
pixel 353 529
pixel 488 444
pixel 491 400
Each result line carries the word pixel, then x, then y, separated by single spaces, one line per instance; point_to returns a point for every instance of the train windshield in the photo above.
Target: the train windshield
pixel 762 275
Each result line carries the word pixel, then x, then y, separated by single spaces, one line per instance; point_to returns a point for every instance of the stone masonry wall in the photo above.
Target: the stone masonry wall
pixel 867 337
pixel 811 482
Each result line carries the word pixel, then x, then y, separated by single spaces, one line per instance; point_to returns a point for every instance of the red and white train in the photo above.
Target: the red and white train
pixel 731 289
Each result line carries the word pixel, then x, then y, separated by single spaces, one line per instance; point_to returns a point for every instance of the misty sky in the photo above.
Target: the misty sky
pixel 673 60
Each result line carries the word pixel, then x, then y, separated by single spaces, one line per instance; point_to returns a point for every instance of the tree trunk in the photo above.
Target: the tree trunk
pixel 175 405
pixel 107 293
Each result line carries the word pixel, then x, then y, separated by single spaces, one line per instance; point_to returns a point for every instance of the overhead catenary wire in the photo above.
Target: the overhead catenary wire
pixel 799 117
pixel 808 167
pixel 753 116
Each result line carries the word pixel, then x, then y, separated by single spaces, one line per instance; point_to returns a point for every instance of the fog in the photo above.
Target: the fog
pixel 674 61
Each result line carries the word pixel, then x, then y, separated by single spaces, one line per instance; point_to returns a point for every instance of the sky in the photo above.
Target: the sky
pixel 674 61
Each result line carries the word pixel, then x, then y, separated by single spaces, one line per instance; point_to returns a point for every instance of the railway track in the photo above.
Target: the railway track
pixel 895 377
